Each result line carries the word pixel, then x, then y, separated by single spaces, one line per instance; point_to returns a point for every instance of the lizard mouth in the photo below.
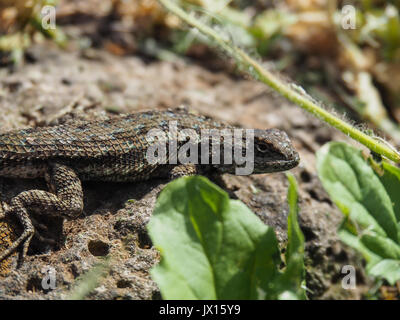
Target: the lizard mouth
pixel 268 166
pixel 261 165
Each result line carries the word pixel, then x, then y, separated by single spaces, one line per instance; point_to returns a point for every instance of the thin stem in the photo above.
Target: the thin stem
pixel 265 76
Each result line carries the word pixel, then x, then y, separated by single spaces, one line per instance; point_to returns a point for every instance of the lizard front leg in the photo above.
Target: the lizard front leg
pixel 66 200
pixel 183 170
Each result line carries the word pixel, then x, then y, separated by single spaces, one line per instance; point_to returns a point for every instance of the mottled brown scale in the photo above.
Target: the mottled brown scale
pixel 7 236
pixel 110 150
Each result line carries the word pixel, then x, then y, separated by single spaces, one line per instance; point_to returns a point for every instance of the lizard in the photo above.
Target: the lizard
pixel 114 149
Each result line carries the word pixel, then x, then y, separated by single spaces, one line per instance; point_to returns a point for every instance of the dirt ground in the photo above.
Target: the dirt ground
pixel 55 86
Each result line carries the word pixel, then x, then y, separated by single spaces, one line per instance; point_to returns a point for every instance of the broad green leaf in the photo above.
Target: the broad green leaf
pixel 384 247
pixel 391 182
pixel 388 269
pixel 211 247
pixel 352 184
pixel 355 242
pixel 368 200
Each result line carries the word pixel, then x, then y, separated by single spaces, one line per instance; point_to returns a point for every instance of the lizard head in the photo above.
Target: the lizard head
pixel 271 151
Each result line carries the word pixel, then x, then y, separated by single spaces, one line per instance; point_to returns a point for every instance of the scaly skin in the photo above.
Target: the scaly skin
pixel 112 150
pixel 7 236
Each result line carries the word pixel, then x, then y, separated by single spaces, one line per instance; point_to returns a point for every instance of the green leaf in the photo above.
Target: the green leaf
pixel 211 247
pixel 355 242
pixel 388 269
pixel 295 236
pixel 391 182
pixel 294 275
pixel 384 247
pixel 355 188
pixel 366 200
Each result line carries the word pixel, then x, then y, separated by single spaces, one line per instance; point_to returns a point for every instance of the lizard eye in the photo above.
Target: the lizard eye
pixel 262 148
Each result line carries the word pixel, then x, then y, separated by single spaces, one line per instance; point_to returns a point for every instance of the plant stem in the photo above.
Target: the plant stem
pixel 265 76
